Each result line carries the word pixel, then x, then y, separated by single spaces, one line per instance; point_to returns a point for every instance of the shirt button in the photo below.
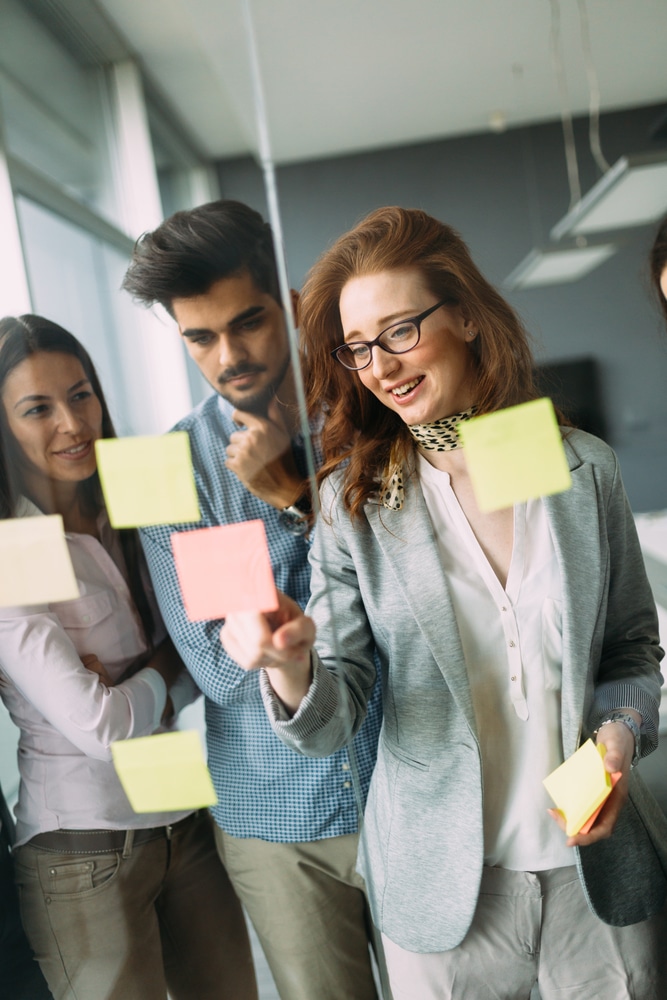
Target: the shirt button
pixel 503 608
pixel 345 766
pixel 512 642
pixel 513 678
pixel 86 618
pixel 347 784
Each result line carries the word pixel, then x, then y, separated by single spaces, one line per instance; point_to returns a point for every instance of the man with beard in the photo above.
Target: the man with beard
pixel 286 825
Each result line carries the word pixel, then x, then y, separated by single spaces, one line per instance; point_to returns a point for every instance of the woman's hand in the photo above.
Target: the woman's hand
pixel 620 746
pixel 91 663
pixel 279 642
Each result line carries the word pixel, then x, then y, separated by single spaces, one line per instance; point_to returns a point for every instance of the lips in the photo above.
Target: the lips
pixel 76 451
pixel 404 390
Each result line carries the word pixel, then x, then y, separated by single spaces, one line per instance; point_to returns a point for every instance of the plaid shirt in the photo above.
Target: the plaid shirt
pixel 264 789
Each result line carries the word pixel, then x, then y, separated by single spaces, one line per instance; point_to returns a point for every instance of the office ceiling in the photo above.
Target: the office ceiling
pixel 346 76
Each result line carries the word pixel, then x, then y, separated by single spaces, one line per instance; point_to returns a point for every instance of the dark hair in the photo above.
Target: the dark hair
pixel 358 429
pixel 20 338
pixel 191 250
pixel 658 263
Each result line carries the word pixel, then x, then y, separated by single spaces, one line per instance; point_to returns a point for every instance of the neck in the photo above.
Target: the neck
pixel 54 497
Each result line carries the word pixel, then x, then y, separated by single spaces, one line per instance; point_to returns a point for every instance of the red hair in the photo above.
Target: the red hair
pixel 358 429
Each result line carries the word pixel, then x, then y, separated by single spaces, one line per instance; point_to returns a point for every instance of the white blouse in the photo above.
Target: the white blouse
pixel 512 645
pixel 66 716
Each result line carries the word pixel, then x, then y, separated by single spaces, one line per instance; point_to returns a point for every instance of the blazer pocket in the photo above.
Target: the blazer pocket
pixel 406 758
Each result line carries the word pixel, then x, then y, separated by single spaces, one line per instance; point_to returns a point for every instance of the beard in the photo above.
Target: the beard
pixel 258 402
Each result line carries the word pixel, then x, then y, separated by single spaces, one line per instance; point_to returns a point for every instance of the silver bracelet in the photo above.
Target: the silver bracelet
pixel 628 721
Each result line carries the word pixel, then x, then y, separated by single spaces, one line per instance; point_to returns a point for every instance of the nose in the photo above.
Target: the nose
pixel 230 351
pixel 69 422
pixel 383 363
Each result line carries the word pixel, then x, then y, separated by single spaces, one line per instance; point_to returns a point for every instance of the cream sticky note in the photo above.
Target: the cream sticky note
pixel 148 480
pixel 515 454
pixel 37 568
pixel 580 786
pixel 164 773
pixel 224 569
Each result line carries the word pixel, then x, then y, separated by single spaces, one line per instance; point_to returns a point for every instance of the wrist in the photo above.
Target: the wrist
pixel 627 718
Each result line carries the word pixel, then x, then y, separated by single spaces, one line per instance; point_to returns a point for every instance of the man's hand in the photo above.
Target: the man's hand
pixel 91 663
pixel 620 745
pixel 261 456
pixel 280 642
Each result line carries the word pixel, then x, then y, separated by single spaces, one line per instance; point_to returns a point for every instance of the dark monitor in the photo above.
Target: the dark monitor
pixel 574 387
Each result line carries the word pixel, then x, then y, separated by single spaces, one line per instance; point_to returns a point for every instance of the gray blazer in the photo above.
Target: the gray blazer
pixel 422 843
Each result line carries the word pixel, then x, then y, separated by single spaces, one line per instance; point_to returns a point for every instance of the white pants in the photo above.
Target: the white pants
pixel 537 928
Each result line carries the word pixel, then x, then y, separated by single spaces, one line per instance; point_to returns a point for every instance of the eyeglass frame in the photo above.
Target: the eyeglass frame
pixel 370 344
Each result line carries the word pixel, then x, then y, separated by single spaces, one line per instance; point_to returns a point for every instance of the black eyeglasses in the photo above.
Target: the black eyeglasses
pixel 395 339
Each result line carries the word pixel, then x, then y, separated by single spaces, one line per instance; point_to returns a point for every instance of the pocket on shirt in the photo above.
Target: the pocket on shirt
pixel 83 612
pixel 552 643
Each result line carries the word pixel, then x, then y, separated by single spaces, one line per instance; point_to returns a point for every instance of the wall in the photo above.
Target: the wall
pixel 504 193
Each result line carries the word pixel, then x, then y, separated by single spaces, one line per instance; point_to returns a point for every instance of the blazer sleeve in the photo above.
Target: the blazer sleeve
pixel 344 669
pixel 629 672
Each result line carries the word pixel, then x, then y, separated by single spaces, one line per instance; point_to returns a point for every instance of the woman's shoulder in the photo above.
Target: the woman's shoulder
pixel 586 448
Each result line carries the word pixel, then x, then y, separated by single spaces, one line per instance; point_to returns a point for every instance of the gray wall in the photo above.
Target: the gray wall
pixel 504 192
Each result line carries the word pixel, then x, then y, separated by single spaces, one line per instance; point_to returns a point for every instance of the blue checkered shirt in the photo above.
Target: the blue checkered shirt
pixel 264 789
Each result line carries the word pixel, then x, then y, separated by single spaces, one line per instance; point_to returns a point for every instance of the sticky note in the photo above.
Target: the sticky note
pixel 515 454
pixel 37 568
pixel 224 569
pixel 164 773
pixel 580 786
pixel 148 480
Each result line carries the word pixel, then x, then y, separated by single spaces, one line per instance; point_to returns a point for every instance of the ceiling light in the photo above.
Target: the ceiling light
pixel 553 265
pixel 632 193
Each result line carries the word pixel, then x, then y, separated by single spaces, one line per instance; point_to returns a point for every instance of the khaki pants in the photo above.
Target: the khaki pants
pixel 108 927
pixel 532 928
pixel 308 906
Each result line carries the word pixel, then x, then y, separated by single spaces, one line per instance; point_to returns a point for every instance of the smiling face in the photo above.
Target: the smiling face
pixel 433 380
pixel 54 417
pixel 237 337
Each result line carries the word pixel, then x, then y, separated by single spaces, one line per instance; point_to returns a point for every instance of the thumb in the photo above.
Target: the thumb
pixel 247 419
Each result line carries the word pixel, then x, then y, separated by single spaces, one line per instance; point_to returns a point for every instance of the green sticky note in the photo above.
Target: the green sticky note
pixel 164 773
pixel 580 785
pixel 148 480
pixel 37 568
pixel 515 454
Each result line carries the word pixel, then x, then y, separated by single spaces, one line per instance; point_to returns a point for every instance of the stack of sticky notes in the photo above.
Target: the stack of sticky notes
pixel 515 454
pixel 581 786
pixel 164 773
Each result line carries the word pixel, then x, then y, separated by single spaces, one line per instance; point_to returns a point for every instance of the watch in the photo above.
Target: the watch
pixel 296 517
pixel 628 721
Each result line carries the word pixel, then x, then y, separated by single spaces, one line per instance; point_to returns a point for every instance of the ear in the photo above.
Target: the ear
pixel 294 296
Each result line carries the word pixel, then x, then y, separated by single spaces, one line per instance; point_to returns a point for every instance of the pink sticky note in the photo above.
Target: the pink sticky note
pixel 224 569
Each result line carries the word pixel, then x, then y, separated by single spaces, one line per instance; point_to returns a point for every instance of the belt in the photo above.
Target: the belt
pixel 102 841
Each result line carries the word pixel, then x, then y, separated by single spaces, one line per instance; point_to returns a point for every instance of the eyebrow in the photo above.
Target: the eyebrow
pixel 37 398
pixel 385 322
pixel 234 321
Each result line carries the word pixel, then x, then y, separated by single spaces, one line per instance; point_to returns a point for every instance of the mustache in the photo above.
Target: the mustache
pixel 238 370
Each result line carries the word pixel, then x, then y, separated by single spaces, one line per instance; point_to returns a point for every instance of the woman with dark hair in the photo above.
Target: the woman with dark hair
pixel 115 904
pixel 658 265
pixel 505 639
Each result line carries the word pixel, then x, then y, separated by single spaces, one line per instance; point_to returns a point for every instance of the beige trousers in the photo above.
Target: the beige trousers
pixel 308 906
pixel 108 927
pixel 536 928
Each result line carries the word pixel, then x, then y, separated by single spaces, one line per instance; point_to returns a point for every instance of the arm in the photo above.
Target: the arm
pixel 629 677
pixel 315 705
pixel 39 658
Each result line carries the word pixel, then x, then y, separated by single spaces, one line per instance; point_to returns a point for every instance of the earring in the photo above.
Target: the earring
pixel 471 334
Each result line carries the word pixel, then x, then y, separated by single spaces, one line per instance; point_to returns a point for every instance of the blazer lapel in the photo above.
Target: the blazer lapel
pixel 409 545
pixel 575 529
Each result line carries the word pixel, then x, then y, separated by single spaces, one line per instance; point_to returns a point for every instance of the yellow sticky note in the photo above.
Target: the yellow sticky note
pixel 37 568
pixel 148 480
pixel 580 785
pixel 515 454
pixel 164 773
